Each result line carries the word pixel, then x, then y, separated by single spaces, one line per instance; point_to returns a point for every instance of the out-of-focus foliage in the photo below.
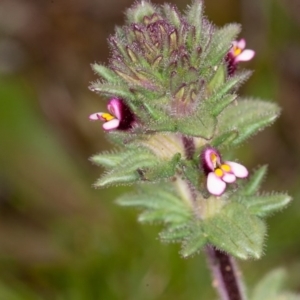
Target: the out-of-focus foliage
pixel 60 238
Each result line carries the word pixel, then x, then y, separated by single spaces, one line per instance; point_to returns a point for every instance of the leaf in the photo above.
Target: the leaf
pixel 219 98
pixel 235 231
pixel 175 234
pixel 217 80
pixel 112 159
pixel 138 11
pixel 255 181
pixel 114 90
pixel 220 44
pixel 270 286
pixel 162 170
pixel 191 171
pixel 194 17
pixel 128 170
pixel 153 197
pixel 247 117
pixel 224 139
pixel 194 242
pixel 197 126
pixel 160 204
pixel 172 15
pixel 172 215
pixel 265 205
pixel 105 73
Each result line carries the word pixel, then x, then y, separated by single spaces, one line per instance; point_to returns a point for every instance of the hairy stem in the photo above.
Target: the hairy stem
pixel 226 276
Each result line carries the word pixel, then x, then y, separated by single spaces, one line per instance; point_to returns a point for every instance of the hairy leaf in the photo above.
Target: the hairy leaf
pixel 265 205
pixel 235 231
pixel 194 242
pixel 247 117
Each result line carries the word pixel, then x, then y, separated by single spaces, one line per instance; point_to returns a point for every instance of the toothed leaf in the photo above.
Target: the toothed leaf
pixel 265 205
pixel 105 73
pixel 247 117
pixel 112 90
pixel 224 139
pixel 235 231
pixel 220 44
pixel 128 171
pixel 219 98
pixel 194 242
pixel 175 234
pixel 198 126
pixel 162 170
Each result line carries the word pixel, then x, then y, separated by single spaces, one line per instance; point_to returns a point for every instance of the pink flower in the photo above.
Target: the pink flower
pixel 119 116
pixel 220 173
pixel 238 53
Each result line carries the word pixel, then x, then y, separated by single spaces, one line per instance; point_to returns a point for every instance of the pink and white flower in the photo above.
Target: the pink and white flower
pixel 220 173
pixel 238 53
pixel 119 116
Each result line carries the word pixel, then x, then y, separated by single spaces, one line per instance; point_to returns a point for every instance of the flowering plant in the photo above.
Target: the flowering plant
pixel 173 107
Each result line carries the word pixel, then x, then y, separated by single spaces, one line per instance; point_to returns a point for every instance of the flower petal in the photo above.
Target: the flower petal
pixel 110 125
pixel 114 106
pixel 237 169
pixel 245 55
pixel 207 157
pixel 96 116
pixel 241 44
pixel 215 185
pixel 229 177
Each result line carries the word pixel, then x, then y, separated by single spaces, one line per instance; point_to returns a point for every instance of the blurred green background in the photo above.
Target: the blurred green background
pixel 62 239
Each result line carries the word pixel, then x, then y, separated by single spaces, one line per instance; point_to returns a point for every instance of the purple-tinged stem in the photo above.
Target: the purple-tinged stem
pixel 226 276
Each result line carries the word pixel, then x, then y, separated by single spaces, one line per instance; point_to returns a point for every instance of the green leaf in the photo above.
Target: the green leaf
pixel 254 182
pixel 109 89
pixel 114 159
pixel 194 17
pixel 160 204
pixel 219 98
pixel 191 171
pixel 235 231
pixel 247 117
pixel 217 80
pixel 265 205
pixel 222 104
pixel 172 215
pixel 194 242
pixel 172 14
pixel 162 170
pixel 175 234
pixel 153 197
pixel 105 73
pixel 220 44
pixel 140 10
pixel 224 139
pixel 197 126
pixel 107 159
pixel 129 170
pixel 270 286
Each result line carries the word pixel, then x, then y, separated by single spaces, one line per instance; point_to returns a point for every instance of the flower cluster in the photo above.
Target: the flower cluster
pixel 220 173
